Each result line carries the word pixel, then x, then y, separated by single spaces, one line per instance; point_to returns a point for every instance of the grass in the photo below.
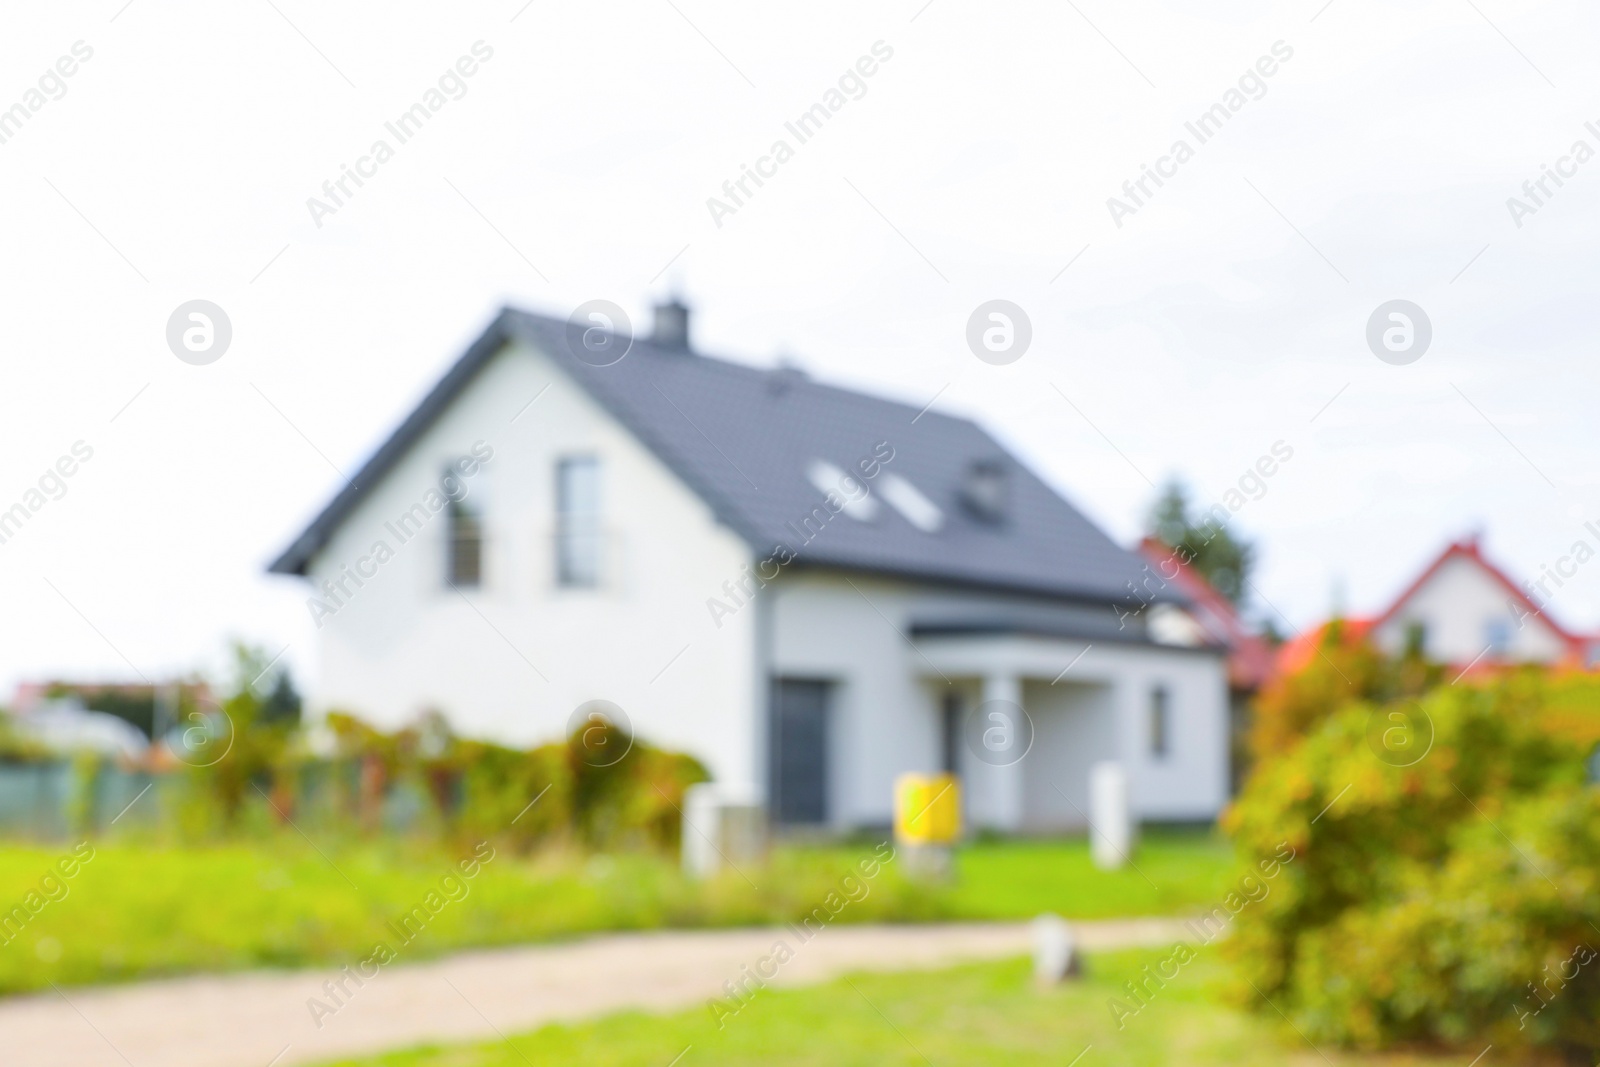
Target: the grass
pixel 1173 872
pixel 981 1014
pixel 146 910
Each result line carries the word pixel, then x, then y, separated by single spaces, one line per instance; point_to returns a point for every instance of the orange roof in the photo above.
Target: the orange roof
pixel 1297 654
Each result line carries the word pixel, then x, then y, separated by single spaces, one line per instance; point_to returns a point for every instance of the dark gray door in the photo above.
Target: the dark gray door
pixel 799 739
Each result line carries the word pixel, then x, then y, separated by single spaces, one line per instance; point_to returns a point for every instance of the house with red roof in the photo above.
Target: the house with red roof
pixel 1214 617
pixel 1207 618
pixel 1462 610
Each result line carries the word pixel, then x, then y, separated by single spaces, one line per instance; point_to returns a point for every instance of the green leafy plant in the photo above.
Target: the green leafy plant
pixel 1428 901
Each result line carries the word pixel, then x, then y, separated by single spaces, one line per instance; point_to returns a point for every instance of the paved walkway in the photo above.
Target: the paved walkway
pixel 261 1019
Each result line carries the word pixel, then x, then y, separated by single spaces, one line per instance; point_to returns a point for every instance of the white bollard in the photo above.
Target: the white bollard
pixel 1111 827
pixel 702 828
pixel 721 826
pixel 1055 950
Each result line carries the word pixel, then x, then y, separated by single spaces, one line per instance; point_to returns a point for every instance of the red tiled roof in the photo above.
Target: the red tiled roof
pixel 1250 657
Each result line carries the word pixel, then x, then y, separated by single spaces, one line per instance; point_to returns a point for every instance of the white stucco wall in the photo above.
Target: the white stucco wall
pixel 514 663
pixel 1075 726
pixel 886 718
pixel 1457 605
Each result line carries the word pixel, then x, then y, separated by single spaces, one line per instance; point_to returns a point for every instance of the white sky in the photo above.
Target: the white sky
pixel 1193 337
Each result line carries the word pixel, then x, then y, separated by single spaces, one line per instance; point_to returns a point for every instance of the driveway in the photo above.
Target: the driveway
pixel 264 1019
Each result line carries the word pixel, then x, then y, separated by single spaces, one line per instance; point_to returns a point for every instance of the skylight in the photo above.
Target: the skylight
pixel 912 505
pixel 851 491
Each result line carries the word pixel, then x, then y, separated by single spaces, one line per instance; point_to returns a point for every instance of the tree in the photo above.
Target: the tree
pixel 243 742
pixel 283 702
pixel 1209 546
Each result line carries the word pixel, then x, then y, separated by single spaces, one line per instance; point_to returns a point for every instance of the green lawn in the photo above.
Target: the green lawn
pixel 984 1014
pixel 141 910
pixel 1173 872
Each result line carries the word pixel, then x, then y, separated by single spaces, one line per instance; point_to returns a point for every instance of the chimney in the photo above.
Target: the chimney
pixel 786 375
pixel 672 325
pixel 986 490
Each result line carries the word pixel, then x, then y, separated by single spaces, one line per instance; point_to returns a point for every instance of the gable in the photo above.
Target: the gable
pixel 1465 606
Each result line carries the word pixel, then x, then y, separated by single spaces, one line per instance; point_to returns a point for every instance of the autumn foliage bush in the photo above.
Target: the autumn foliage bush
pixel 1340 666
pixel 1447 885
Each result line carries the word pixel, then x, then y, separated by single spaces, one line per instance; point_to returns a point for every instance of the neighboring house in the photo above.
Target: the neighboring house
pixel 66 727
pixel 810 589
pixel 149 708
pixel 1250 655
pixel 1465 612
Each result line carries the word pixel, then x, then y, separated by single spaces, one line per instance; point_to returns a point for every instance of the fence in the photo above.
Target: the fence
pixel 51 800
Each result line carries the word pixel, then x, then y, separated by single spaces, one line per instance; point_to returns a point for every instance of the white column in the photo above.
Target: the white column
pixel 1005 782
pixel 1131 694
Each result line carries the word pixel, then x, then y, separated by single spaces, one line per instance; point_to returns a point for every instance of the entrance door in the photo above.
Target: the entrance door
pixel 799 757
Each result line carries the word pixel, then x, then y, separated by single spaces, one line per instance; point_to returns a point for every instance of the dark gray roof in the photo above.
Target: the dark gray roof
pixel 742 438
pixel 1098 626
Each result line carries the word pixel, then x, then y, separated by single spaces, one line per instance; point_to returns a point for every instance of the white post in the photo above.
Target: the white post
pixel 702 828
pixel 722 825
pixel 1055 953
pixel 1111 828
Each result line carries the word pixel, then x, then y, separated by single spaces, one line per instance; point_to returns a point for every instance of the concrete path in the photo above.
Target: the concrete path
pixel 262 1019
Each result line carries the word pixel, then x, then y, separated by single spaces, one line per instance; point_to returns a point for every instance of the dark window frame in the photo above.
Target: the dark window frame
pixel 1159 722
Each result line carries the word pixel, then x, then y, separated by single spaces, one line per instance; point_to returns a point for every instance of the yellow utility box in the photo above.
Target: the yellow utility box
pixel 927 809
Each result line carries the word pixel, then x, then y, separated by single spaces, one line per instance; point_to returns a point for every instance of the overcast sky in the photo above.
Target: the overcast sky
pixel 1227 313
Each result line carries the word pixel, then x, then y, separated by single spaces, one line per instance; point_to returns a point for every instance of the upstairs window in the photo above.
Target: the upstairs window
pixel 578 537
pixel 1160 722
pixel 1497 636
pixel 464 552
pixel 1416 638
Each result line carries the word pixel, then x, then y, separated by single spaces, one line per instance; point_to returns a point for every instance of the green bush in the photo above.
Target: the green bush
pixel 252 765
pixel 1455 901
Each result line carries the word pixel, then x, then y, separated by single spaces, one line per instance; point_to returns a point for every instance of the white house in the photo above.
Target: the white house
pixel 1464 610
pixel 810 589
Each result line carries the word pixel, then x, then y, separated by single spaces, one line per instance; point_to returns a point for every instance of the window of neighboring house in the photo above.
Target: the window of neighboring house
pixel 1416 637
pixel 464 553
pixel 1497 634
pixel 1160 721
pixel 578 537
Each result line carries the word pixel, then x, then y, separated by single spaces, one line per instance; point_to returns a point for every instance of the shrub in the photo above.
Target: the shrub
pixel 553 794
pixel 262 767
pixel 1341 665
pixel 1429 903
